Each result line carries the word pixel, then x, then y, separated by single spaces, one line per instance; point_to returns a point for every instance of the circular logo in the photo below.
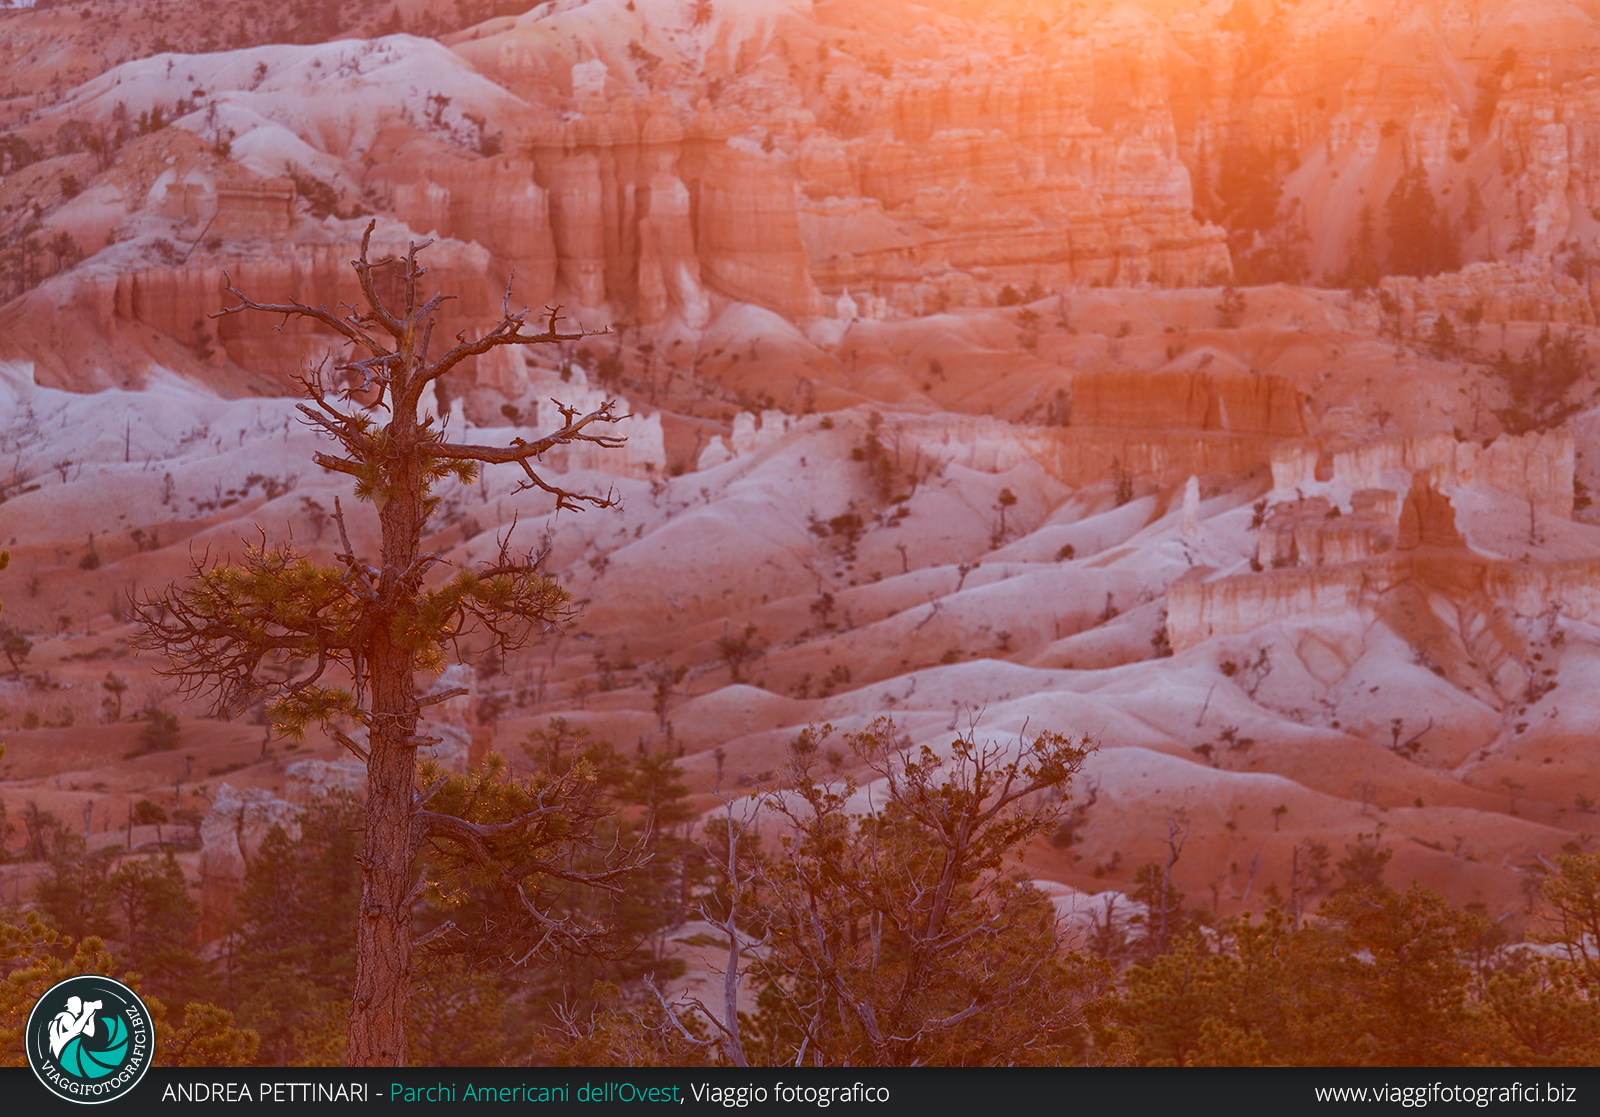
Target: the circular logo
pixel 90 1039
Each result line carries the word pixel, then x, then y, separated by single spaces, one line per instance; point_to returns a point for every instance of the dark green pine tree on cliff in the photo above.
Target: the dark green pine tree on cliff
pixel 1421 240
pixel 342 645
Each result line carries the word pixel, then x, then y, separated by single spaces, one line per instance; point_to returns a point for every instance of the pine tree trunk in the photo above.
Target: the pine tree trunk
pixel 381 1005
pixel 373 628
pixel 380 1009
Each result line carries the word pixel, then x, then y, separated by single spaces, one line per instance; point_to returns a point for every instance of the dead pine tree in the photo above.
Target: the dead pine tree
pixel 342 645
pixel 903 936
pixel 728 1038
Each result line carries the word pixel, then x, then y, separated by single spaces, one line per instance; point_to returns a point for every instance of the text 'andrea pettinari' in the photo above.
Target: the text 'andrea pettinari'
pixel 266 1092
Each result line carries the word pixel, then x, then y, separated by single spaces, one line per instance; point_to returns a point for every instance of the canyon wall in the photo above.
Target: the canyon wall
pixel 892 172
pixel 1198 610
pixel 1081 455
pixel 1497 292
pixel 630 162
pixel 496 203
pixel 1537 467
pixel 76 327
pixel 1189 401
pixel 1157 427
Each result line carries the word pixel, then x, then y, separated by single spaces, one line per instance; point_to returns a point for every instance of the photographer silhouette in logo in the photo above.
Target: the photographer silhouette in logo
pixel 77 1019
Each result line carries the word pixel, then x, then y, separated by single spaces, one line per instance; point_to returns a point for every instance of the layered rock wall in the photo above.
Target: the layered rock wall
pixel 1199 610
pixel 253 211
pixel 1161 427
pixel 1189 401
pixel 1427 519
pixel 497 203
pixel 1536 467
pixel 1084 455
pixel 1004 175
pixel 1157 427
pixel 1312 532
pixel 178 299
pixel 1499 291
pixel 1552 141
pixel 646 205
